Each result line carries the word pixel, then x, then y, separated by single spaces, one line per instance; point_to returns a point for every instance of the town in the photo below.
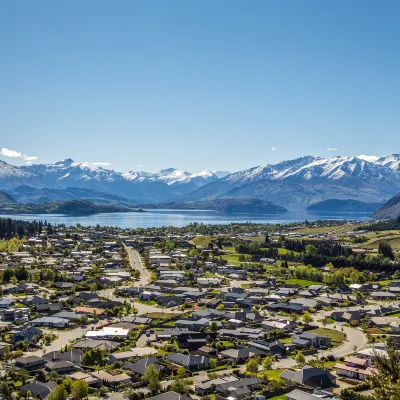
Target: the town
pixel 234 312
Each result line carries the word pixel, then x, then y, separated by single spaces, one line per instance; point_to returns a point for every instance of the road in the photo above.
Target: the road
pixel 144 280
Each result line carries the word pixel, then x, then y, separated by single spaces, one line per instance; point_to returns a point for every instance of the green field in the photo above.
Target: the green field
pixel 202 240
pixel 273 373
pixel 337 337
pixel 301 282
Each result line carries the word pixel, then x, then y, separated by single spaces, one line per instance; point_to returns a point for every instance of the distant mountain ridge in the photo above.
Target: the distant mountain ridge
pixel 293 183
pixel 29 194
pixel 228 205
pixel 74 207
pixel 391 209
pixel 335 205
pixel 142 187
pixel 300 182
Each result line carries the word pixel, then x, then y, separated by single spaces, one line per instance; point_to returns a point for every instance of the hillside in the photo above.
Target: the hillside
pixel 294 183
pixel 335 205
pixel 229 205
pixel 139 186
pixel 5 197
pixel 29 194
pixel 306 180
pixel 391 209
pixel 75 207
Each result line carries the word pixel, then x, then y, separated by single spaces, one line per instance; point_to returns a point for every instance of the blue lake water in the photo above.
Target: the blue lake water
pixel 179 218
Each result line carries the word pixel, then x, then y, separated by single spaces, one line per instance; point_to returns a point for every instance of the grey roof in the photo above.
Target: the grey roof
pixel 140 366
pixel 188 360
pixel 170 396
pixel 239 383
pixel 307 373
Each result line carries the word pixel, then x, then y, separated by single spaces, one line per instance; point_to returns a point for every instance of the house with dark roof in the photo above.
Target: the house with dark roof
pixel 307 340
pixel 190 362
pixel 310 376
pixel 170 396
pixel 242 388
pixel 138 368
pixel 240 356
pixel 30 363
pixel 30 333
pixel 39 390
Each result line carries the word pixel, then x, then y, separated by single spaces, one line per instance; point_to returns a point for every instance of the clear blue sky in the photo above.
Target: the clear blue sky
pixel 198 84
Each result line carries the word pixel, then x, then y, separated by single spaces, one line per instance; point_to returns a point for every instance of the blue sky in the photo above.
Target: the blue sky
pixel 198 84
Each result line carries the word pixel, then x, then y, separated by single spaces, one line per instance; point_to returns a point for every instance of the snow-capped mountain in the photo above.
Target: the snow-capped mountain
pixel 173 177
pixel 140 186
pixel 293 183
pixel 307 180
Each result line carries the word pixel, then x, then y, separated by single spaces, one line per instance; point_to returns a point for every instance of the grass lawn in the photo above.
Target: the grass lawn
pixel 280 397
pixel 281 250
pixel 232 259
pixel 169 324
pixel 202 240
pixel 337 337
pixel 328 321
pixel 273 373
pixel 286 340
pixel 301 282
pixel 227 343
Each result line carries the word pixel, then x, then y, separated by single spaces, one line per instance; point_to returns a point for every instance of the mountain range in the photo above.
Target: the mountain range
pixel 294 184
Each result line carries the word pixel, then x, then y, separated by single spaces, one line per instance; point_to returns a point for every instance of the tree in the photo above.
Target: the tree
pixel 132 395
pixel 386 249
pixel 252 366
pixel 181 385
pixel 300 359
pixel 386 378
pixel 58 393
pixel 213 363
pixel 267 363
pixel 214 326
pixel 307 318
pixel 80 389
pixel 219 307
pixel 6 352
pixel 151 378
pixel 23 375
pixel 84 319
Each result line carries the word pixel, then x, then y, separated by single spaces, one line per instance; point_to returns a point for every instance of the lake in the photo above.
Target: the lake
pixel 179 218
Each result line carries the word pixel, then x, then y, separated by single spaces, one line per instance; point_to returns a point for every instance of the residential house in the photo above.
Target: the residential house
pixel 240 389
pixel 310 376
pixel 355 368
pixel 30 363
pixel 190 362
pixel 39 390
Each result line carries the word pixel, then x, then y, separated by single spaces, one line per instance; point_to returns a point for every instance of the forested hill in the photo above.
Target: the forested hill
pixel 81 207
pixel 5 197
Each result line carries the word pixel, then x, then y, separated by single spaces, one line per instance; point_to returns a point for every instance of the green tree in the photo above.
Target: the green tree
pixel 214 326
pixel 58 393
pixel 181 385
pixel 307 318
pixel 300 359
pixel 386 249
pixel 23 375
pixel 267 362
pixel 213 363
pixel 386 378
pixel 252 366
pixel 151 378
pixel 80 389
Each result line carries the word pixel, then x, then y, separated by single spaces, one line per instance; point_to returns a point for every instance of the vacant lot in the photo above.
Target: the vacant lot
pixel 337 337
pixel 302 282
